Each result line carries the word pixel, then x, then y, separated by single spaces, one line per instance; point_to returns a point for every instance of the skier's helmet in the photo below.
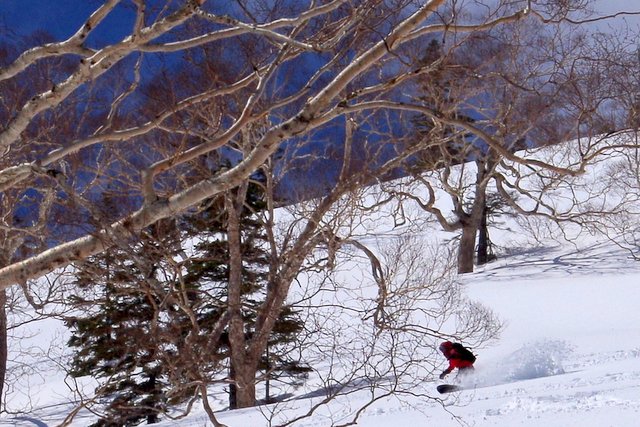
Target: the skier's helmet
pixel 446 346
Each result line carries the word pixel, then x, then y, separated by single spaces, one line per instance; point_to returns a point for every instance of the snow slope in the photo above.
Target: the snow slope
pixel 569 353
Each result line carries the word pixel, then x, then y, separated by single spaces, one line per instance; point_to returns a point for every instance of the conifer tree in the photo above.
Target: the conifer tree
pixel 117 339
pixel 124 329
pixel 130 334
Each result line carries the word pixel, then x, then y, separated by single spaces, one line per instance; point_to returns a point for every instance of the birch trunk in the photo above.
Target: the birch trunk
pixel 4 351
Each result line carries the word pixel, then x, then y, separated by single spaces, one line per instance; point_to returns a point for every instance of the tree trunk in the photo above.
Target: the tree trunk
pixel 245 385
pixel 466 249
pixel 233 390
pixel 3 342
pixel 483 238
pixel 152 418
pixel 244 365
pixel 475 220
pixel 267 382
pixel 242 390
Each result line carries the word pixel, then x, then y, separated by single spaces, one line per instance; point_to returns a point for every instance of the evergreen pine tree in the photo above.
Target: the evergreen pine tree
pixel 117 340
pixel 127 335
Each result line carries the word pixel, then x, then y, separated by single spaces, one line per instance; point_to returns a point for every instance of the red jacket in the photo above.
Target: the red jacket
pixel 458 363
pixel 454 358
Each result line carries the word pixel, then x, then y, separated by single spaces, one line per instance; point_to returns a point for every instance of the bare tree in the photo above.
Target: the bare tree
pixel 486 99
pixel 605 201
pixel 310 239
pixel 379 339
pixel 332 29
pixel 359 59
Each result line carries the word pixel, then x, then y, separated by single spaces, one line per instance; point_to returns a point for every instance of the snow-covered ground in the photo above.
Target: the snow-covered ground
pixel 568 355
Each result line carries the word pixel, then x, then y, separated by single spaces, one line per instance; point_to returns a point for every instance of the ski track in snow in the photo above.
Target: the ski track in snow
pixel 569 394
pixel 565 398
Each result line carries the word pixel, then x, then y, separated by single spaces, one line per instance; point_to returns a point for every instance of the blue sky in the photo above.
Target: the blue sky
pixel 60 17
pixel 63 17
pixel 610 6
pixel 606 7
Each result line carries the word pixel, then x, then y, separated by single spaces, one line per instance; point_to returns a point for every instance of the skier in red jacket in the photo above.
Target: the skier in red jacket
pixel 458 357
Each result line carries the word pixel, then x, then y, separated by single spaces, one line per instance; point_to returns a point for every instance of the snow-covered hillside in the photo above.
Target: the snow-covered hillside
pixel 568 354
